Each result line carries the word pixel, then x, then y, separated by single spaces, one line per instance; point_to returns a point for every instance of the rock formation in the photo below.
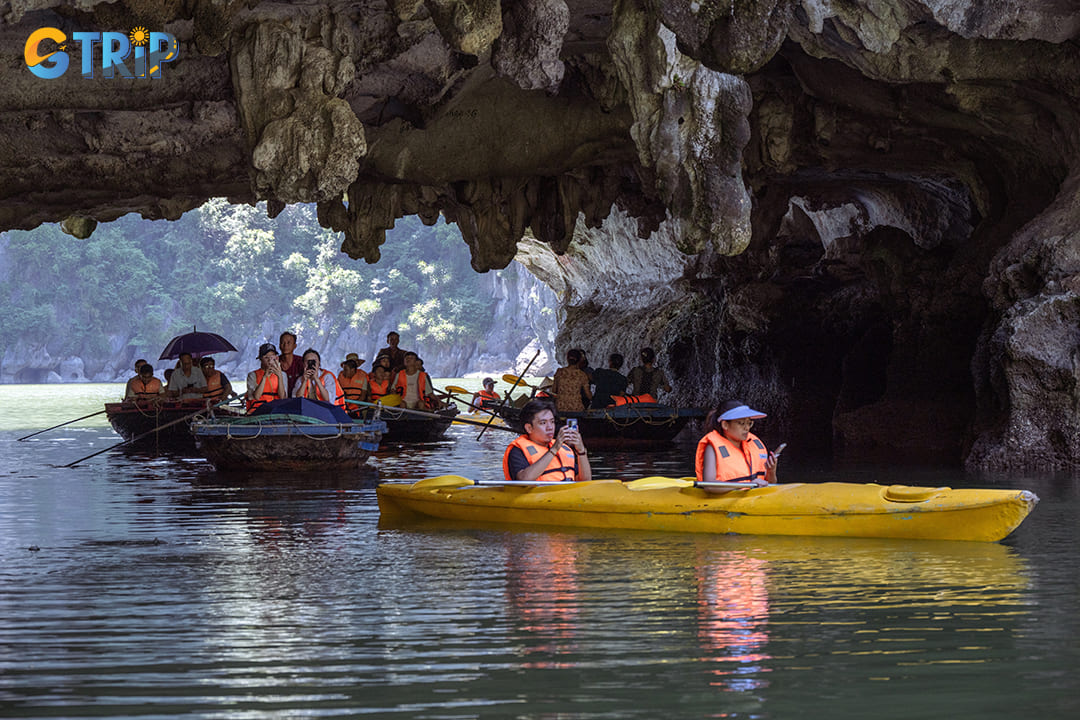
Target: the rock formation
pixel 860 214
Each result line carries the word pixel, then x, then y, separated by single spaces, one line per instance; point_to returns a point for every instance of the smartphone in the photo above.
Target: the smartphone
pixel 777 451
pixel 571 423
pixel 311 364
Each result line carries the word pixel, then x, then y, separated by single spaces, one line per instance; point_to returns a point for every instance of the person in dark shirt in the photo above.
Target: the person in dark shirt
pixel 541 453
pixel 608 381
pixel 396 354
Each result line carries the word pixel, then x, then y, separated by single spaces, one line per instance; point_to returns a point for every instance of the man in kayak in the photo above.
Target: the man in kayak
pixel 486 398
pixel 541 453
pixel 730 452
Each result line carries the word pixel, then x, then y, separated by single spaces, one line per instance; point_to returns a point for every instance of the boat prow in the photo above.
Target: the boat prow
pixel 675 504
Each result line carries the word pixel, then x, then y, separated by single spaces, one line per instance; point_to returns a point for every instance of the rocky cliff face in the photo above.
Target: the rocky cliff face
pixel 860 214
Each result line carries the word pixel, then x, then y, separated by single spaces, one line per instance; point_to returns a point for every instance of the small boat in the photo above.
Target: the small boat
pixel 404 425
pixel 157 421
pixel 680 505
pixel 289 435
pixel 642 426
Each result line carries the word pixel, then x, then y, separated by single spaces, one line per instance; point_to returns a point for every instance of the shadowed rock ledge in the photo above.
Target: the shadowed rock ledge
pixel 862 216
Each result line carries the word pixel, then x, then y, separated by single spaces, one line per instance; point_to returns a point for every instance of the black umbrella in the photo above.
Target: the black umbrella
pixel 197 344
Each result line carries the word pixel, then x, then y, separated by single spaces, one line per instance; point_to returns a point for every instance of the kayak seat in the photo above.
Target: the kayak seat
pixel 909 494
pixel 443 481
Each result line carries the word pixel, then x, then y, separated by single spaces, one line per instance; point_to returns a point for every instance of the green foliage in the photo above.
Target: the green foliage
pixel 230 269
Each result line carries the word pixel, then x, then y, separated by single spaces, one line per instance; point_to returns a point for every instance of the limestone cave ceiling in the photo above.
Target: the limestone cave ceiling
pixel 522 114
pixel 908 167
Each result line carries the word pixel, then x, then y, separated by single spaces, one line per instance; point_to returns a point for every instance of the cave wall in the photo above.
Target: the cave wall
pixel 861 215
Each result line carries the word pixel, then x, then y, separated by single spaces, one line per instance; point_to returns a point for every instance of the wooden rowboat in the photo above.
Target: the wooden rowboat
pixel 679 505
pixel 640 426
pixel 139 418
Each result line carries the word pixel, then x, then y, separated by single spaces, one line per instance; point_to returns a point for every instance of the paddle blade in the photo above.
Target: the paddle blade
pixel 515 380
pixel 457 389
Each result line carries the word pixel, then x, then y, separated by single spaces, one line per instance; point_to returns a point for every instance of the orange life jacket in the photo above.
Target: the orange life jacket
pixel 336 396
pixel 353 387
pixel 214 388
pixel 270 390
pixel 378 389
pixel 617 400
pixel 149 390
pixel 560 468
pixel 401 384
pixel 733 463
pixel 487 398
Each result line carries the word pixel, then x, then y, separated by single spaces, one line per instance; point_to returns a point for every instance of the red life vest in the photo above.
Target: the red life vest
pixel 270 390
pixel 617 400
pixel 214 388
pixel 733 463
pixel 560 468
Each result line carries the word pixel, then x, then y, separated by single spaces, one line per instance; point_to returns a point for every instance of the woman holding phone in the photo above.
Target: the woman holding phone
pixel 729 452
pixel 543 455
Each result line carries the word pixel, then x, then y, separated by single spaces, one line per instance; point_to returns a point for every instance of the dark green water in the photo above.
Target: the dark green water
pixel 157 588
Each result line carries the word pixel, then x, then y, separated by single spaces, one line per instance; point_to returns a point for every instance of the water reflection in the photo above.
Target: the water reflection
pixel 733 611
pixel 542 592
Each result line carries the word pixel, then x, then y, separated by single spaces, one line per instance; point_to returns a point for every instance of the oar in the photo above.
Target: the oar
pixel 424 413
pixel 151 432
pixel 84 417
pixel 462 391
pixel 517 380
pixel 513 385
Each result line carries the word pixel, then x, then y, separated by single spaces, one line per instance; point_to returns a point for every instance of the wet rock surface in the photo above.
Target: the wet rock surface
pixel 861 215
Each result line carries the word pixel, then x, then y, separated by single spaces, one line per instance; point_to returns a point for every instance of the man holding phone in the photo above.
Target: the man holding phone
pixel 316 383
pixel 541 454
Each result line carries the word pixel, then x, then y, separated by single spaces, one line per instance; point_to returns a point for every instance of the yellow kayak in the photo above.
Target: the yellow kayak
pixel 673 504
pixel 480 417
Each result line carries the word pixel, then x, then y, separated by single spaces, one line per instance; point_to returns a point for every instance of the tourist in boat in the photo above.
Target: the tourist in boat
pixel 570 385
pixel 646 378
pixel 269 381
pixel 353 382
pixel 317 383
pixel 414 385
pixel 608 381
pixel 379 379
pixel 218 386
pixel 543 454
pixel 729 452
pixel 291 363
pixel 145 386
pixel 396 354
pixel 187 381
pixel 487 398
pixel 127 390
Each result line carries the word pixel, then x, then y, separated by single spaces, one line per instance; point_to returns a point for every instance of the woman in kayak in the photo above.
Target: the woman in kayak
pixel 730 452
pixel 541 453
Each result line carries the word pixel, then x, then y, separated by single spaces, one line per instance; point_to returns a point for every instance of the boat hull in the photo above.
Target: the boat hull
pixel 154 424
pixel 402 427
pixel 286 447
pixel 637 426
pixel 674 505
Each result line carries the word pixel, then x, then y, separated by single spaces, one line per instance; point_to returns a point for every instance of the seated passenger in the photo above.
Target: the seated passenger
pixel 646 378
pixel 379 380
pixel 127 390
pixel 145 386
pixel 608 381
pixel 269 381
pixel 486 399
pixel 414 385
pixel 316 383
pixel 353 382
pixel 541 453
pixel 730 452
pixel 571 385
pixel 218 386
pixel 187 381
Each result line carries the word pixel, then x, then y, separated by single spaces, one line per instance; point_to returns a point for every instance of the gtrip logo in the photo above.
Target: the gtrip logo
pixel 147 52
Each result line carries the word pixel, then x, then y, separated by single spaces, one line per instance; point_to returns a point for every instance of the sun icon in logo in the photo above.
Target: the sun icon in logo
pixel 139 36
